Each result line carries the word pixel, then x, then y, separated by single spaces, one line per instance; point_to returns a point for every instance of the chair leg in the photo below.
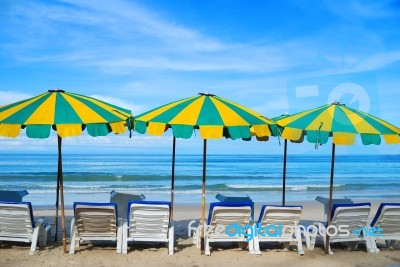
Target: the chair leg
pixel 329 245
pixel 73 241
pixel 370 243
pixel 125 238
pixel 256 244
pixel 119 238
pixel 196 237
pixel 251 246
pixel 312 239
pixel 194 241
pixel 171 239
pixel 300 250
pixel 207 246
pixel 34 239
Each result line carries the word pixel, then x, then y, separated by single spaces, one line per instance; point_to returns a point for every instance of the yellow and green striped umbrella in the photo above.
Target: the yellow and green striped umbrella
pixel 342 123
pixel 213 116
pixel 68 114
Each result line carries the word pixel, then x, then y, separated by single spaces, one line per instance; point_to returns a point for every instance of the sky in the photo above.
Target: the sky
pixel 275 57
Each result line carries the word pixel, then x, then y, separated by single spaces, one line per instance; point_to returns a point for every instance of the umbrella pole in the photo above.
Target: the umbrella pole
pixel 203 197
pixel 171 216
pixel 57 199
pixel 284 173
pixel 60 178
pixel 330 198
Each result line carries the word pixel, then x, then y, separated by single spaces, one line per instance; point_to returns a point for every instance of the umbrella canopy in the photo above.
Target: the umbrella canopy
pixel 342 123
pixel 213 116
pixel 66 113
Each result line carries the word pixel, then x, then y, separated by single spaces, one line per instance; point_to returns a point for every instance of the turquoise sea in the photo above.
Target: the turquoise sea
pixel 92 177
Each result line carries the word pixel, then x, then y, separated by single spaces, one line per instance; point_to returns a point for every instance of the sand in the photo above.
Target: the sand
pixel 186 253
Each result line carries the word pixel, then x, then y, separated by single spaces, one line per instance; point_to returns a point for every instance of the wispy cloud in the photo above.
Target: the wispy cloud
pixel 135 108
pixel 94 33
pixel 364 9
pixel 8 97
pixel 120 37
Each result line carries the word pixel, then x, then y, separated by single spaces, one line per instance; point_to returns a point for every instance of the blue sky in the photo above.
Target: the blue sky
pixel 273 56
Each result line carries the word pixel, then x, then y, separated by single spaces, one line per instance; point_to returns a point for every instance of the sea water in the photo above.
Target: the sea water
pixel 93 177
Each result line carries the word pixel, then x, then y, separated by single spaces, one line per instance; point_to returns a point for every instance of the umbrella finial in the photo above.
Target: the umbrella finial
pixel 338 103
pixel 206 94
pixel 56 90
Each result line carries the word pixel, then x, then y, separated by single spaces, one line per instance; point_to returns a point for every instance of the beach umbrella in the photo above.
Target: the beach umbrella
pixel 342 123
pixel 214 117
pixel 66 113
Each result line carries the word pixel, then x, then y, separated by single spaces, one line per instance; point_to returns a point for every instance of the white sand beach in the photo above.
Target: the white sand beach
pixel 186 253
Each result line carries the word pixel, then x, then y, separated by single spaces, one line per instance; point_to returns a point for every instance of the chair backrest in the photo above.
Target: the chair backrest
pixel 149 219
pixel 223 214
pixel 387 218
pixel 95 219
pixel 354 216
pixel 16 219
pixel 278 217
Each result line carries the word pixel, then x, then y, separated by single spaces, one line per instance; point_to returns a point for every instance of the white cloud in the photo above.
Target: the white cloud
pixel 362 9
pixel 95 35
pixel 8 97
pixel 135 108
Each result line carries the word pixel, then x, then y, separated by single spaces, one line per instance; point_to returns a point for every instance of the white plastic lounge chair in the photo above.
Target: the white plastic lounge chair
pixel 279 224
pixel 148 221
pixel 17 224
pixel 387 221
pixel 234 215
pixel 350 217
pixel 95 222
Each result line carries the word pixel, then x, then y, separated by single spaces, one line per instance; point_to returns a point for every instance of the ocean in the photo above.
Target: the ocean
pixel 93 177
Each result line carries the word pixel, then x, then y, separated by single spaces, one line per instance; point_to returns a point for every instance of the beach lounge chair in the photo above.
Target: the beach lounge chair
pixel 223 217
pixel 148 221
pixel 387 221
pixel 95 222
pixel 17 224
pixel 279 224
pixel 347 225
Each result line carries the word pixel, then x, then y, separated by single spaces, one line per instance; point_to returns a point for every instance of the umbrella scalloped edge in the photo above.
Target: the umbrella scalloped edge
pixel 338 138
pixel 63 130
pixel 206 131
